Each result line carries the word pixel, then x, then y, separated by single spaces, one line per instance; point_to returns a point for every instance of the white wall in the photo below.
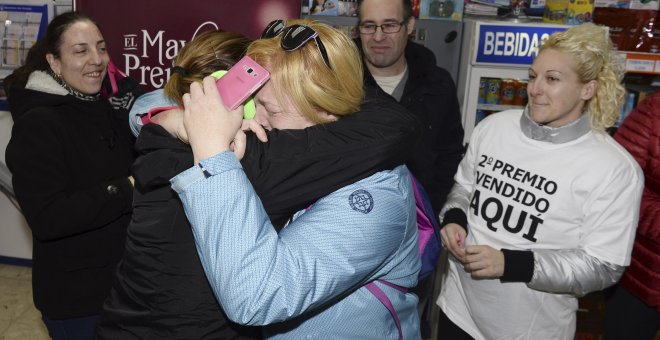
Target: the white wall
pixel 15 236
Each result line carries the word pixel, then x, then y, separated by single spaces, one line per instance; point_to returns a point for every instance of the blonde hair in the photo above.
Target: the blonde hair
pixel 206 53
pixel 594 58
pixel 303 76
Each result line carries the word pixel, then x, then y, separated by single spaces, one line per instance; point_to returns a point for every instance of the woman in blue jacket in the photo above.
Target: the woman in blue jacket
pixel 308 280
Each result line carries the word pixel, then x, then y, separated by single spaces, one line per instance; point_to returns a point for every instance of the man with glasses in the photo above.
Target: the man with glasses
pixel 408 72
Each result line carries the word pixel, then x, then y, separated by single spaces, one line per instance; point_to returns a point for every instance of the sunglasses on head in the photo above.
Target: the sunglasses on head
pixel 295 37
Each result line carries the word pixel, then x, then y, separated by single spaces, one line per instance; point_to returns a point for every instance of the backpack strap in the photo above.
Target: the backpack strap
pixel 428 231
pixel 380 295
pixel 146 118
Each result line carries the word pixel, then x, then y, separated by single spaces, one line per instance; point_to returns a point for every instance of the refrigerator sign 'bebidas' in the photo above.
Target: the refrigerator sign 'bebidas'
pixel 504 44
pixel 512 44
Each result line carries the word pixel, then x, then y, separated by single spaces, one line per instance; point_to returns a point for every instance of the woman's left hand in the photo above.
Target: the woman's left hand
pixel 210 127
pixel 484 262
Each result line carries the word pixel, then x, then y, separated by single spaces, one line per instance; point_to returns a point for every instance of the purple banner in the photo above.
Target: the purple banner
pixel 143 36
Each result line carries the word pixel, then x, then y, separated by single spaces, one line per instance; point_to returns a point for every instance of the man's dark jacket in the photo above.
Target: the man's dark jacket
pixel 430 94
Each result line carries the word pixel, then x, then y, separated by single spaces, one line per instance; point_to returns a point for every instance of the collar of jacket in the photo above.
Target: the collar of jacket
pixel 562 134
pixel 420 60
pixel 42 81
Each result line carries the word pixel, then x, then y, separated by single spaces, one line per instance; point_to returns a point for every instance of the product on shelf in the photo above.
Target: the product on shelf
pixel 555 11
pixel 324 7
pixel 579 12
pixel 481 114
pixel 441 9
pixel 493 92
pixel 569 12
pixel 348 8
pixel 520 97
pixel 483 89
pixel 507 91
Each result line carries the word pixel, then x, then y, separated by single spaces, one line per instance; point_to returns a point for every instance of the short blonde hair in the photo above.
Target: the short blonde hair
pixel 304 77
pixel 208 52
pixel 596 59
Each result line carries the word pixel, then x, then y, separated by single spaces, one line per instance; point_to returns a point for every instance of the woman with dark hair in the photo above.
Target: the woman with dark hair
pixel 70 153
pixel 159 290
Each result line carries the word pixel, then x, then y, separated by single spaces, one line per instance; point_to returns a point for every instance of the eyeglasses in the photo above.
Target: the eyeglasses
pixel 388 27
pixel 294 37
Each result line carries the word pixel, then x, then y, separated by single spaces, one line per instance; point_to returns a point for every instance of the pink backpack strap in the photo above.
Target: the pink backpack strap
pixel 146 118
pixel 380 295
pixel 112 74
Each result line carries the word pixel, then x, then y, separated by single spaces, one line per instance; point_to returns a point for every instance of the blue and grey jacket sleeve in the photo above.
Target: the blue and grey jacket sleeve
pixel 332 248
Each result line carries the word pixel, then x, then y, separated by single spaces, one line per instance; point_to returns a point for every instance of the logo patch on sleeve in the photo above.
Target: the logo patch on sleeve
pixel 361 200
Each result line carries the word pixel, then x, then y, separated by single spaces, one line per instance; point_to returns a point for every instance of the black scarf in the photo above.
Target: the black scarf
pixel 75 93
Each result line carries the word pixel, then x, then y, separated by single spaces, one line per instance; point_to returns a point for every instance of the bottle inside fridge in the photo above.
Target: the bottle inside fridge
pixel 499 94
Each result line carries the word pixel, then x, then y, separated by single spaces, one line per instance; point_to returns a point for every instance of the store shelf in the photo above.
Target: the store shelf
pixel 637 62
pixel 494 107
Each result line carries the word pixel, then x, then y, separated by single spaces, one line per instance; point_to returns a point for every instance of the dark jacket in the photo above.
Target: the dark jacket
pixel 161 291
pixel 640 135
pixel 70 161
pixel 430 94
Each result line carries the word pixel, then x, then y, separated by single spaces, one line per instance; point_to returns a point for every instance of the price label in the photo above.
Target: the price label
pixel 639 65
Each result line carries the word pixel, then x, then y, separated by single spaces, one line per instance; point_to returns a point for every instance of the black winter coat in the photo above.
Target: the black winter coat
pixel 161 291
pixel 70 161
pixel 430 94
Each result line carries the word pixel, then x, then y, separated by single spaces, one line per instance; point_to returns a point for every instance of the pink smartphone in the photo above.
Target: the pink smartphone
pixel 241 81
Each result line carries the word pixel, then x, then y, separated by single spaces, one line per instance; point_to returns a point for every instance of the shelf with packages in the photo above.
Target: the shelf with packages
pixel 641 62
pixel 642 78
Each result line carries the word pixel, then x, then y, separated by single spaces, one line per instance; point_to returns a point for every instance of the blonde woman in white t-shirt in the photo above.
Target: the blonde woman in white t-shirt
pixel 545 204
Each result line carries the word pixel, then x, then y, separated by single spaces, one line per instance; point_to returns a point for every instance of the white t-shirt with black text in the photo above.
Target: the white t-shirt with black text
pixel 526 195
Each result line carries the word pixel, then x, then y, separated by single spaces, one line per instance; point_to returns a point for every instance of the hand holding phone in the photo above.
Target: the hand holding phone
pixel 249 107
pixel 241 81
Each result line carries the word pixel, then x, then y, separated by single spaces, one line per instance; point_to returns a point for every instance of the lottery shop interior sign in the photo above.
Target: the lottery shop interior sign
pixel 144 36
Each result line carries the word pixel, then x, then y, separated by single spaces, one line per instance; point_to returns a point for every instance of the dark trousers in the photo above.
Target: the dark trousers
pixel 447 330
pixel 71 329
pixel 423 291
pixel 627 317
